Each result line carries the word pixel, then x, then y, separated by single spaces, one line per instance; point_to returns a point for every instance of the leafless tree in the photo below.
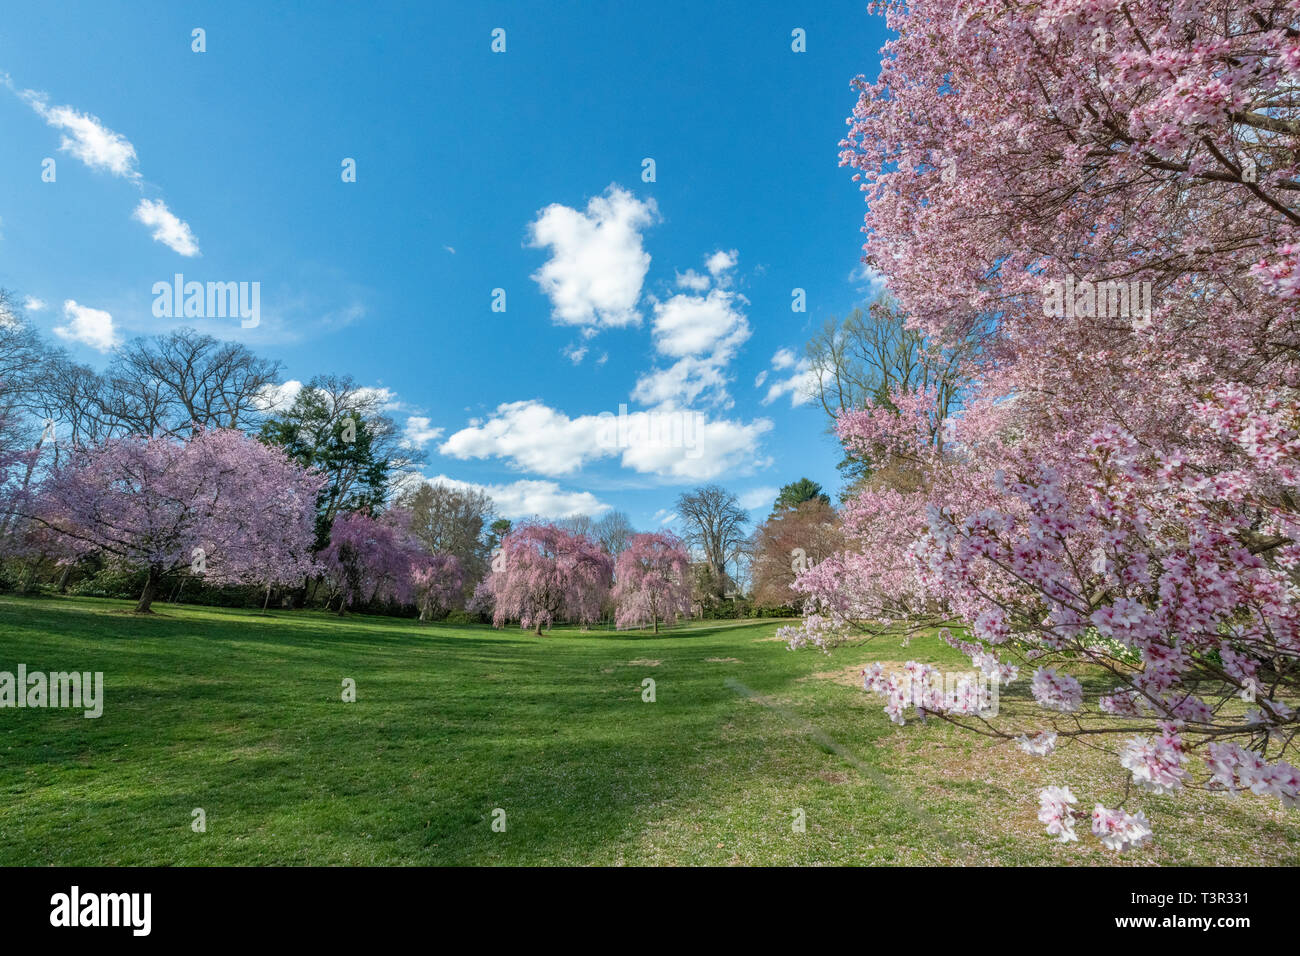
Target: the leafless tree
pixel 172 383
pixel 614 530
pixel 21 353
pixel 715 526
pixel 577 524
pixel 868 354
pixel 451 521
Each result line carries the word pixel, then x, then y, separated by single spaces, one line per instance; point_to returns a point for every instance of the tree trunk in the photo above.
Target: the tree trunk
pixel 150 590
pixel 656 620
pixel 267 602
pixel 538 630
pixel 63 578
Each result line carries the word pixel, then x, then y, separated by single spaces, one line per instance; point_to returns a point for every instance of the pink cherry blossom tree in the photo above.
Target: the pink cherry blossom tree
pixel 1105 196
pixel 652 581
pixel 369 559
pixel 547 574
pixel 439 581
pixel 219 504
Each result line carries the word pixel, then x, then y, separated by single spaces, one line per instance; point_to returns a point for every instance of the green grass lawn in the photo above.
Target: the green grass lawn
pixel 240 713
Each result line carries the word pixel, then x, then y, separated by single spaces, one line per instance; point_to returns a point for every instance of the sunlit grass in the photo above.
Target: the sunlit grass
pixel 240 713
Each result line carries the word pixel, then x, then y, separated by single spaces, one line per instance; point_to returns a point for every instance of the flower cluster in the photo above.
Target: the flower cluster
pixel 1112 497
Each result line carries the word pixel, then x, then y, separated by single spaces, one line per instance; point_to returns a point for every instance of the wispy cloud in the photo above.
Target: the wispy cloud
pixel 88 139
pixel 85 136
pixel 167 228
pixel 800 383
pixel 867 279
pixel 757 498
pixel 419 431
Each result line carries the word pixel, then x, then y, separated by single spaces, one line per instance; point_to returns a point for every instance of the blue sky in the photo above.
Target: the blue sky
pixel 475 171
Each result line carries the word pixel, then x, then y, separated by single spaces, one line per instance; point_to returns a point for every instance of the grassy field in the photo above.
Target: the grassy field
pixel 240 713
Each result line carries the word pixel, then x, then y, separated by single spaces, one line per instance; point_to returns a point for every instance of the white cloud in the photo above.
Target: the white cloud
pixel 690 279
pixel 721 262
pixel 419 431
pixel 92 327
pixel 783 359
pixel 525 498
pixel 279 398
pixel 865 277
pixel 703 334
pixel 370 398
pixel 682 383
pixel 86 137
pixel 167 229
pixel 801 384
pixel 597 264
pixel 530 434
pixel 669 443
pixel 575 353
pixel 708 450
pixel 33 304
pixel 758 498
pixel 694 325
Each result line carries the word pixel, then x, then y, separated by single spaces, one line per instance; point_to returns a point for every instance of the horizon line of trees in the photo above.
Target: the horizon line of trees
pixel 183 472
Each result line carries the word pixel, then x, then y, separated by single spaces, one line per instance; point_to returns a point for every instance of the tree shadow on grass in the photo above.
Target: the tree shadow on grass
pixel 246 720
